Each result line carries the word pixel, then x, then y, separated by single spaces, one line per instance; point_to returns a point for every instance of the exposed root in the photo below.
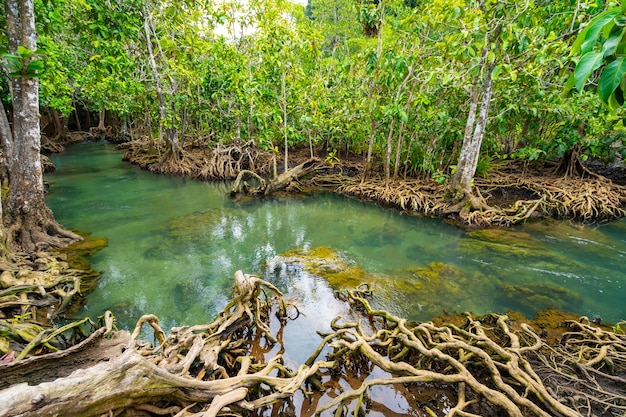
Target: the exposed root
pixel 203 369
pixel 34 291
pixel 283 181
pixel 493 366
pixel 36 231
pixel 502 200
pixel 195 160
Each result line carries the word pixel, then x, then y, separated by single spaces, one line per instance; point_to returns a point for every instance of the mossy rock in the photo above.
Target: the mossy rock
pixel 329 265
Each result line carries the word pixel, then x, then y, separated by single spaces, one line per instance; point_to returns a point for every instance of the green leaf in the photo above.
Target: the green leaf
pixel 611 78
pixel 496 72
pixel 590 62
pixel 610 45
pixel 35 66
pixel 589 35
pixel 571 81
pixel 14 62
pixel 403 116
pixel 24 52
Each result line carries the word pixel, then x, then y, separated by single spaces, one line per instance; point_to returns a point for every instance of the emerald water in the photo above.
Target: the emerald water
pixel 175 243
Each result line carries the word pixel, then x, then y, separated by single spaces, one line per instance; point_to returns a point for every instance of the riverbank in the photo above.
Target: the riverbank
pixel 512 193
pixel 38 292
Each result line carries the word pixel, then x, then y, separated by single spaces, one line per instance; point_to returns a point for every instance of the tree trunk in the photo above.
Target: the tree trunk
pixel 28 221
pixel 171 135
pixel 388 151
pixel 473 137
pixel 396 168
pixel 6 135
pixel 101 120
pixel 283 94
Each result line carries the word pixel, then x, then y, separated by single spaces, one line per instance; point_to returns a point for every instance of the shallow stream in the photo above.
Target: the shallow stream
pixel 175 243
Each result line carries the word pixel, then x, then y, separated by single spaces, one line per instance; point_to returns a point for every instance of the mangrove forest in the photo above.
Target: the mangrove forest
pixel 312 208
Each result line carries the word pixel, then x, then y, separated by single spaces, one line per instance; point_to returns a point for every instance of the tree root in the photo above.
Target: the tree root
pixel 281 182
pixel 210 370
pixel 195 160
pixel 488 361
pixel 207 365
pixel 502 200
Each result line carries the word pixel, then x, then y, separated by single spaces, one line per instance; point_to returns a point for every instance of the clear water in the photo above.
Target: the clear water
pixel 174 245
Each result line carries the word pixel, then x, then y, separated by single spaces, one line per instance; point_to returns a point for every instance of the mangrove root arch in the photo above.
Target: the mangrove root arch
pixel 493 367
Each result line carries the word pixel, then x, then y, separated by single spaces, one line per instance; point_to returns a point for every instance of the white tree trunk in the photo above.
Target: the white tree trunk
pixel 170 131
pixel 474 133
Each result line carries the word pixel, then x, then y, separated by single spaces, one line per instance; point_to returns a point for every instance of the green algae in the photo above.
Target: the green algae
pixel 539 296
pixel 438 287
pixel 78 252
pixel 331 266
pixel 427 290
pixel 498 242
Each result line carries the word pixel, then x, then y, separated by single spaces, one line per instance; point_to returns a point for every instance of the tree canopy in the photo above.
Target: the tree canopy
pixel 410 85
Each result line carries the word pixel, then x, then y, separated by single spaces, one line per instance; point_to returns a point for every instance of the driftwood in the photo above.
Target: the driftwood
pixel 281 182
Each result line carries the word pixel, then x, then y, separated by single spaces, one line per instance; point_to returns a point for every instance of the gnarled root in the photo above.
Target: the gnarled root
pixel 211 369
pixel 492 365
pixel 202 369
pixel 281 182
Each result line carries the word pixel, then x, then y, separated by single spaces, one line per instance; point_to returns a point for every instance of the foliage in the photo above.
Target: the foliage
pixel 601 48
pixel 281 73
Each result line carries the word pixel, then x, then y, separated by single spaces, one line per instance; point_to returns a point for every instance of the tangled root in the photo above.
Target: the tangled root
pixel 488 366
pixel 195 160
pixel 502 200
